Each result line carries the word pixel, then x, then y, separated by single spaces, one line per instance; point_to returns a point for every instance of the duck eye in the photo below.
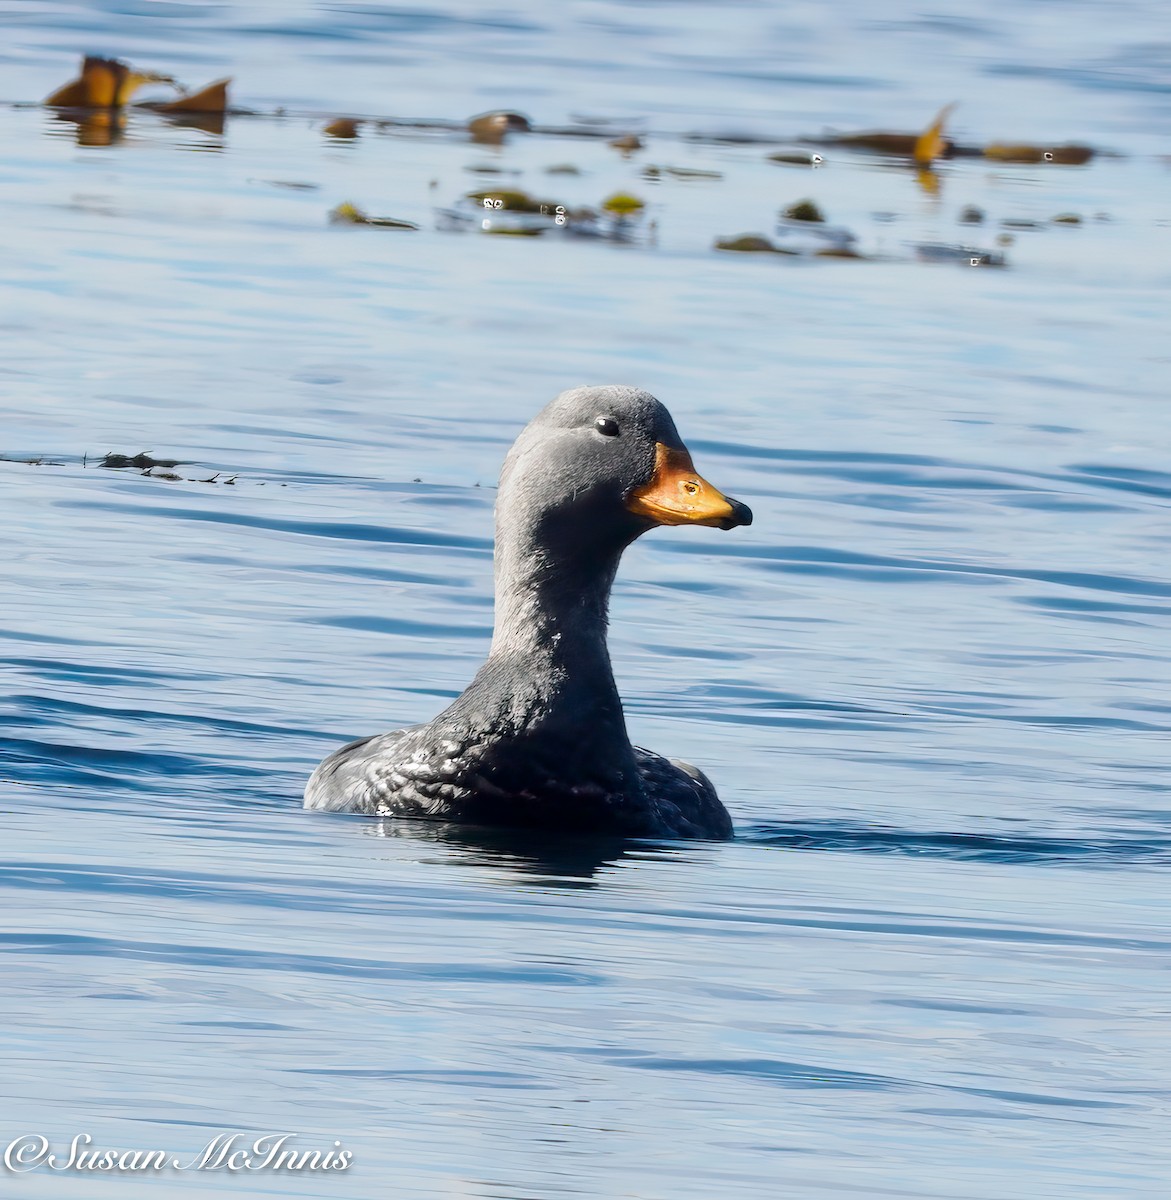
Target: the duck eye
pixel 606 426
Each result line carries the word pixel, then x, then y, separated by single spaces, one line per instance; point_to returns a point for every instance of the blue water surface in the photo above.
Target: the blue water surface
pixel 931 681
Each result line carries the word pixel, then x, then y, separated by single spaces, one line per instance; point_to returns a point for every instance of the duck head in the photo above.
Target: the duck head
pixel 600 466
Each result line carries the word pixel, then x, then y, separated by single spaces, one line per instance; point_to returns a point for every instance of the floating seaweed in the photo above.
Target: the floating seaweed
pixel 350 214
pixel 510 200
pixel 655 173
pixel 501 211
pixel 292 185
pixel 118 462
pixel 623 204
pixel 803 210
pixel 816 239
pixel 507 229
pixel 103 83
pixel 750 243
pixel 948 253
pixel 96 100
pixel 38 461
pixel 342 128
pixel 1070 155
pixel 105 87
pixel 512 212
pixel 893 145
pixel 492 127
pixel 931 144
pixel 797 158
pixel 802 229
pixel 206 101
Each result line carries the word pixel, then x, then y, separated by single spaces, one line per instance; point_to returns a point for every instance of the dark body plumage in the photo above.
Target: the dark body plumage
pixel 538 740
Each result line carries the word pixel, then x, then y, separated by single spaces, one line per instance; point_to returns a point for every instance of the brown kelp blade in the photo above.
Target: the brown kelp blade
pixel 490 128
pixel 350 214
pixel 344 128
pixel 922 148
pixel 211 99
pixel 511 200
pixel 1071 155
pixel 931 144
pixel 103 83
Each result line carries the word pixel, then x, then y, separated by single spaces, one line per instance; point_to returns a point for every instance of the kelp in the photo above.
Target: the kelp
pixel 491 128
pixel 943 252
pixel 1070 155
pixel 350 214
pixel 511 212
pixel 895 145
pixel 797 158
pixel 109 83
pixel 654 173
pixel 209 100
pixel 511 200
pixel 118 462
pixel 342 128
pixel 39 461
pixel 755 243
pixel 623 204
pixel 803 210
pixel 102 83
pixel 146 465
pixel 97 99
pixel 923 149
pixel 750 243
pixel 931 144
pixel 496 229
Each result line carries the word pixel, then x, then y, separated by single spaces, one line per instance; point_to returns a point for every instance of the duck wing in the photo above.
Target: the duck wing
pixel 683 797
pixel 358 777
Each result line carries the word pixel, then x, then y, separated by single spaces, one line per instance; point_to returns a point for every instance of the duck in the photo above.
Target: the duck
pixel 538 740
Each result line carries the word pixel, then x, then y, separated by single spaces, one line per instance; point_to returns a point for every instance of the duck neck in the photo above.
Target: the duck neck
pixel 551 617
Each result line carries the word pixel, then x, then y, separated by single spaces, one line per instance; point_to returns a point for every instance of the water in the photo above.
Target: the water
pixel 930 681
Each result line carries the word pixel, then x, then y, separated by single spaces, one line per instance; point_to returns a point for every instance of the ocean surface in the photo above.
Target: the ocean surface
pixel 932 682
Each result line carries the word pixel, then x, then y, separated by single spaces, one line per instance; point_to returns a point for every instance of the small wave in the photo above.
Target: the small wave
pixel 863 838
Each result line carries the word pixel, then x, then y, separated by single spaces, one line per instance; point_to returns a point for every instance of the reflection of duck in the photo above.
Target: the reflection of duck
pixel 520 854
pixel 538 740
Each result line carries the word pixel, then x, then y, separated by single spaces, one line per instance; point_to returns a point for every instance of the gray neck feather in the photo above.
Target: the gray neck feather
pixel 552 597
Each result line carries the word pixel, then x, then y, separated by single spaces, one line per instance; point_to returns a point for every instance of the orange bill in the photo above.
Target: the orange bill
pixel 676 494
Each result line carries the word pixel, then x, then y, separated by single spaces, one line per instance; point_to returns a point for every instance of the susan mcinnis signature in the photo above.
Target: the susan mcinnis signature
pixel 225 1152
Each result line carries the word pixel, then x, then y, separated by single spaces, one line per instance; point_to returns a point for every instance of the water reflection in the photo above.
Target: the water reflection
pixel 208 122
pixel 567 861
pixel 93 126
